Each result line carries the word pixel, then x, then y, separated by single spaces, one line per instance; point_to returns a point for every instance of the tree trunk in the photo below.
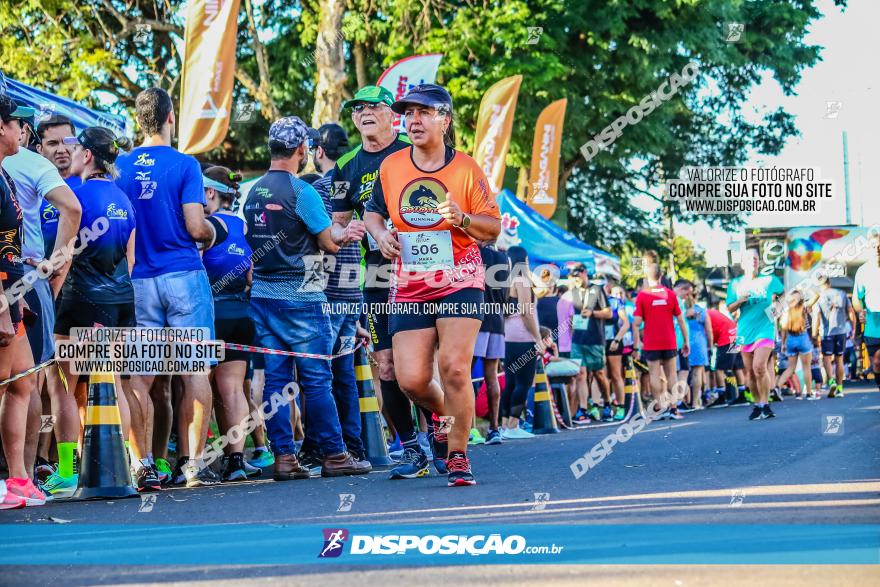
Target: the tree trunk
pixel 330 61
pixel 360 67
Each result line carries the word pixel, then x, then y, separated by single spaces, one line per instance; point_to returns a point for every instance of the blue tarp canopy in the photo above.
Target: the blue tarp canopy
pixel 546 242
pixel 47 104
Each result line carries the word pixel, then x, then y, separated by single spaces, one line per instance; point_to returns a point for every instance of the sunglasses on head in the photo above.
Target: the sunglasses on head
pixel 367 105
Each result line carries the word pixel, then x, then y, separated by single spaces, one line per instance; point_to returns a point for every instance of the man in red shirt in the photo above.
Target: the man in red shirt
pixel 727 357
pixel 657 306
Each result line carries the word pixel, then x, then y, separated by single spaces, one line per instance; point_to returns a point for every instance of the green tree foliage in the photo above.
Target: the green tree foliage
pixel 603 56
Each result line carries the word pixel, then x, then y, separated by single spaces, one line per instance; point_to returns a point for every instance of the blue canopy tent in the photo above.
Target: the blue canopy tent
pixel 47 104
pixel 546 242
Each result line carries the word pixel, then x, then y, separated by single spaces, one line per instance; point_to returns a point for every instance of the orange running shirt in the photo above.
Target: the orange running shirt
pixel 409 197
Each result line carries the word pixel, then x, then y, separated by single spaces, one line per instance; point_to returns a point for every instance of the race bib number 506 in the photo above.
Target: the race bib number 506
pixel 426 250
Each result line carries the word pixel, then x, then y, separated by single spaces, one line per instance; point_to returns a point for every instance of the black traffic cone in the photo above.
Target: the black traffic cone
pixel 631 396
pixel 104 468
pixel 371 426
pixel 543 421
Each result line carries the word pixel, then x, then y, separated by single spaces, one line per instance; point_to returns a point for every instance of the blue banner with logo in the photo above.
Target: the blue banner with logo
pixel 438 544
pixel 547 243
pixel 47 104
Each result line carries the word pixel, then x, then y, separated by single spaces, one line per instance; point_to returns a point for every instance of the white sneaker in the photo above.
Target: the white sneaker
pixel 515 434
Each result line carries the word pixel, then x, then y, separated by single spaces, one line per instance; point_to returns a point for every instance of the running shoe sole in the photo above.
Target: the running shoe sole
pixel 420 473
pixel 235 476
pixel 461 483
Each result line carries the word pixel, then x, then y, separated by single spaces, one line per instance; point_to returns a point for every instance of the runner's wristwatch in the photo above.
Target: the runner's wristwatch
pixel 465 221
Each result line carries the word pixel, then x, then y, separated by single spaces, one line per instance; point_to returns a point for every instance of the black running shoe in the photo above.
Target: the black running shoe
pixel 757 414
pixel 234 469
pixel 196 477
pixel 719 402
pixel 768 413
pixel 147 480
pixel 177 477
pixel 459 470
pixel 413 464
pixel 775 395
pixel 739 400
pixel 311 460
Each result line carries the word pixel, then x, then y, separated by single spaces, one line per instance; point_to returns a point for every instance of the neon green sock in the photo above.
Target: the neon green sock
pixel 66 457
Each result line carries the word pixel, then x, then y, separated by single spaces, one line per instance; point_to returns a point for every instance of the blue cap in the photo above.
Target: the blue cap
pixel 216 185
pixel 430 95
pixel 290 131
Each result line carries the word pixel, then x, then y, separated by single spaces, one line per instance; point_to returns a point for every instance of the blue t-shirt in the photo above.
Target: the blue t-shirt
pixel 755 322
pixel 866 289
pixel 99 273
pixel 49 216
pixel 283 215
pixel 159 181
pixel 679 339
pixel 228 263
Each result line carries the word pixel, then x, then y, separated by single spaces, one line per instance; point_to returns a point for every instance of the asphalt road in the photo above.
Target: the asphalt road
pixel 713 467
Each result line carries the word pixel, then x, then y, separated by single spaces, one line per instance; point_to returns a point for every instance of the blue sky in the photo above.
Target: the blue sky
pixel 848 74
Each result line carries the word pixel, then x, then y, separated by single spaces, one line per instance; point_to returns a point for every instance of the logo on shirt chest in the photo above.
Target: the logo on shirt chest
pixel 114 213
pixel 234 249
pixel 419 201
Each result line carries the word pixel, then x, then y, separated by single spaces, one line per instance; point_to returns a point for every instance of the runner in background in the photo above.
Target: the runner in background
pixel 489 347
pixel 343 291
pixel 728 360
pixel 657 307
pixel 752 296
pixel 834 312
pixel 439 201
pixel 170 284
pixel 587 311
pixel 794 325
pixel 97 291
pixel 51 133
pixel 287 219
pixel 17 425
pixel 229 271
pixel 523 346
pixel 616 331
pixel 866 301
pixel 700 332
pixel 352 182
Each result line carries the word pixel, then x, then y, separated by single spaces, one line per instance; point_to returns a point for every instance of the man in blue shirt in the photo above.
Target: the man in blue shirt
pixel 170 284
pixel 287 220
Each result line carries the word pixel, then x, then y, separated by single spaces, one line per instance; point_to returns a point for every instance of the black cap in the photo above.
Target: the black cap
pixel 10 109
pixel 100 141
pixel 334 139
pixel 430 95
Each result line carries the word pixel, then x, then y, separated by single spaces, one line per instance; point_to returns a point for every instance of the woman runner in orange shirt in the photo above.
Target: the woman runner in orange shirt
pixel 438 201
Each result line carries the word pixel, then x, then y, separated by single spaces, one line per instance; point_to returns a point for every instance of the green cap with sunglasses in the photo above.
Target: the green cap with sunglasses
pixel 371 95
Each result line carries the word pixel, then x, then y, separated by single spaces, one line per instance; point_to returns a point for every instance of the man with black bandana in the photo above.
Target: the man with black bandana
pixel 351 188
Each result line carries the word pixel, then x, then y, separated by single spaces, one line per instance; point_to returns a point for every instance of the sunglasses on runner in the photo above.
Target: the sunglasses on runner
pixel 369 106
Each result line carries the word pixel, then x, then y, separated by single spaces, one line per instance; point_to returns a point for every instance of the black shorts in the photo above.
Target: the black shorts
pixel 725 360
pixel 238 331
pixel 463 303
pixel 614 353
pixel 14 307
pixel 873 346
pixel 659 355
pixel 683 363
pixel 377 322
pixel 834 344
pixel 565 354
pixel 85 314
